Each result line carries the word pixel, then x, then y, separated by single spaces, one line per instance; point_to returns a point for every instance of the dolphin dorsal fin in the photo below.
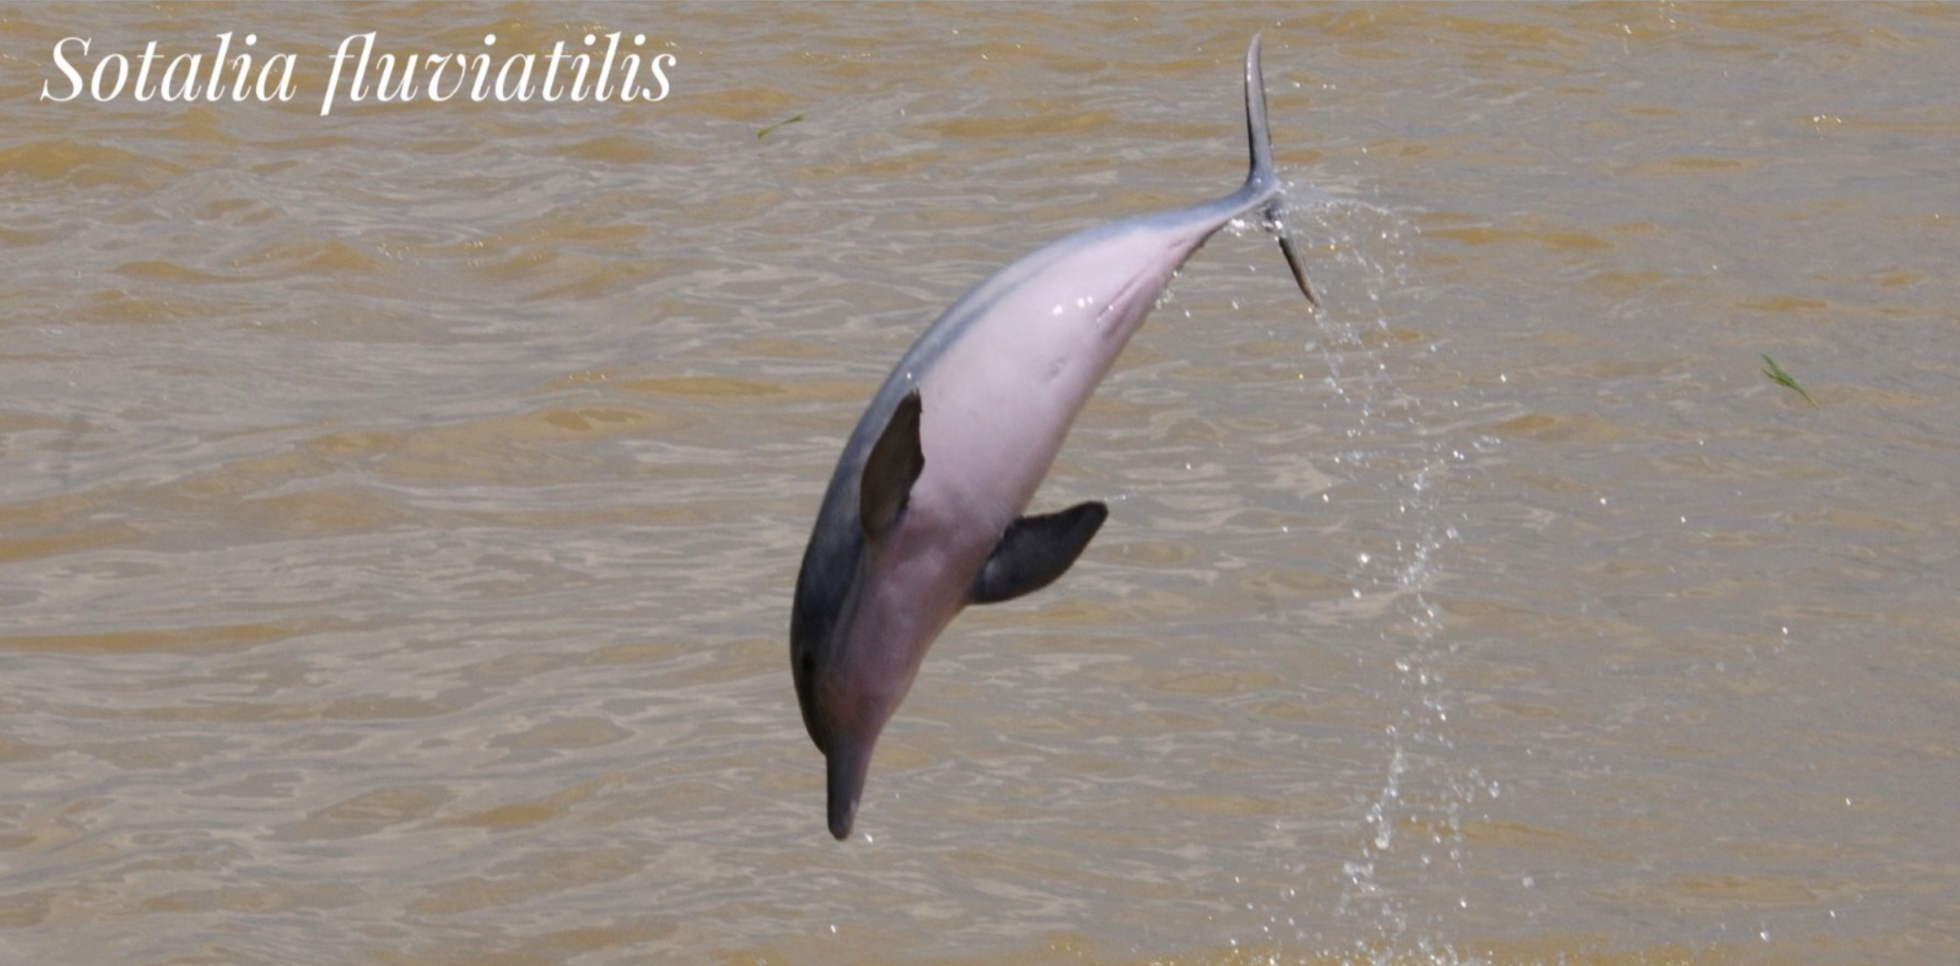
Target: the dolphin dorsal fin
pixel 1036 550
pixel 893 466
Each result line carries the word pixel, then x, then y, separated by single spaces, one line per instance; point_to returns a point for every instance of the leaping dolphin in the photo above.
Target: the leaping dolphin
pixel 923 513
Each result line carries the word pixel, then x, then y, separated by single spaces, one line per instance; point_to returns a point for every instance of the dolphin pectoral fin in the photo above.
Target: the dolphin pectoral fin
pixel 893 466
pixel 1036 550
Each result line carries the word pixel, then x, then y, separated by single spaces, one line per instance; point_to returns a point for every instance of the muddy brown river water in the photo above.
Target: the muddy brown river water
pixel 399 508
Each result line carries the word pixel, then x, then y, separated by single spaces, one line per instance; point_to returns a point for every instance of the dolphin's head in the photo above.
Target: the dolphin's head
pixel 842 712
pixel 857 637
pixel 862 621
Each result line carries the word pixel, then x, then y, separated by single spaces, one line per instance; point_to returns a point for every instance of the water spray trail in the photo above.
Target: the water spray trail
pixel 1392 901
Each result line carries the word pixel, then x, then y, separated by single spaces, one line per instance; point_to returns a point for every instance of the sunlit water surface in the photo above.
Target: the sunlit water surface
pixel 400 508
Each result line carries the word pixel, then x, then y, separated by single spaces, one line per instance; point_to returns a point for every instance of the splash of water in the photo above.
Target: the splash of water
pixel 1404 880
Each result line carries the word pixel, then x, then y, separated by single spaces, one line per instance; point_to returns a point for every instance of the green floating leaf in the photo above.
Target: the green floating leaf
pixel 759 135
pixel 1784 379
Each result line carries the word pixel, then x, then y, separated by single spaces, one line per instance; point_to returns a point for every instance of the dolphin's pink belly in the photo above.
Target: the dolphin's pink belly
pixel 997 406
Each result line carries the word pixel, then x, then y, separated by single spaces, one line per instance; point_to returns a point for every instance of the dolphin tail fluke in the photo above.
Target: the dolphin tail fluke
pixel 1264 175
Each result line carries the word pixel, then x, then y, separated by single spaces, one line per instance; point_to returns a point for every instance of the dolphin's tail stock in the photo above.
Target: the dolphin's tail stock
pixel 1263 180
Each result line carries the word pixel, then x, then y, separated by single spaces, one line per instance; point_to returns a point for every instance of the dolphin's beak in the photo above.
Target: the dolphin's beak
pixel 846 762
